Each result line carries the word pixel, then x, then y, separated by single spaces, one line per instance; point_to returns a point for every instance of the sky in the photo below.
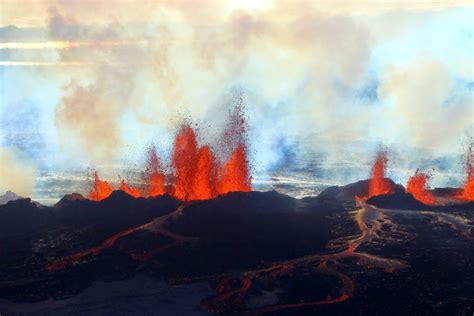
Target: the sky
pixel 89 85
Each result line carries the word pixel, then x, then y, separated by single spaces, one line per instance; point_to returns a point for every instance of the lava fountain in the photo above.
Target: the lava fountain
pixel 129 189
pixel 417 186
pixel 378 184
pixel 185 157
pixel 468 190
pixel 205 181
pixel 196 172
pixel 154 179
pixel 235 174
pixel 100 190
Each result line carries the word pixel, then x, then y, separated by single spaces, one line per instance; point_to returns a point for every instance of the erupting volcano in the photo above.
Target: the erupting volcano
pixel 378 184
pixel 417 186
pixel 196 173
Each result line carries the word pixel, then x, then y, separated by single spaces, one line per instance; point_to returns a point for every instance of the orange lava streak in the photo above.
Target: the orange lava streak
pixel 417 186
pixel 235 174
pixel 378 184
pixel 154 179
pixel 101 189
pixel 129 189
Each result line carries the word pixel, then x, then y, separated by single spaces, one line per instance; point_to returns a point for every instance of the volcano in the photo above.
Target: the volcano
pixel 196 173
pixel 256 252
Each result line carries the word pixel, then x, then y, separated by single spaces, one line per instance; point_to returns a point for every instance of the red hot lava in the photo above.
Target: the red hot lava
pixel 154 179
pixel 129 189
pixel 468 190
pixel 417 186
pixel 378 184
pixel 205 182
pixel 101 189
pixel 197 173
pixel 185 158
pixel 235 174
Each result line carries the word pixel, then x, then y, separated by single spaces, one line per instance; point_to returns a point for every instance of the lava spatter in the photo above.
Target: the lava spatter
pixel 100 190
pixel 378 184
pixel 417 186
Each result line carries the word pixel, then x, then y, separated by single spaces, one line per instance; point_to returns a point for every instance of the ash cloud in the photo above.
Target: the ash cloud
pixel 16 175
pixel 311 76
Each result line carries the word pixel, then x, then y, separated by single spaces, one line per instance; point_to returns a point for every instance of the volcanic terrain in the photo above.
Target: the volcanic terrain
pixel 260 252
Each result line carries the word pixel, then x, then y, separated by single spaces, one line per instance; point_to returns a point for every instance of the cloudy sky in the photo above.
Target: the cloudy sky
pixel 91 84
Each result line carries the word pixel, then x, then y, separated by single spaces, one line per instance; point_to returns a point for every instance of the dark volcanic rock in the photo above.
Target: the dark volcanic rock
pixel 244 229
pixel 69 197
pixel 23 216
pixel 119 206
pixel 346 194
pixel 446 192
pixel 398 200
pixel 243 244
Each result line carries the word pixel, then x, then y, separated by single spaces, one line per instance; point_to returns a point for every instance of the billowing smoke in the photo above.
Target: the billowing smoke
pixel 322 82
pixel 424 106
pixel 192 67
pixel 15 175
pixel 92 118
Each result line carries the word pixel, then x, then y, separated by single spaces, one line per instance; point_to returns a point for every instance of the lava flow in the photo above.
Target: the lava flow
pixel 370 221
pixel 417 186
pixel 378 184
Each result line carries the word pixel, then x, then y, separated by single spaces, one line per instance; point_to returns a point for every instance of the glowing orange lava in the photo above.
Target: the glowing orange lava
pixel 154 179
pixel 205 179
pixel 468 190
pixel 196 173
pixel 378 184
pixel 101 189
pixel 417 186
pixel 235 174
pixel 129 189
pixel 185 157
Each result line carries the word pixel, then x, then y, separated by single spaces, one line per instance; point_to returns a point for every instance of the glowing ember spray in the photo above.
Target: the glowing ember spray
pixel 417 186
pixel 154 179
pixel 101 189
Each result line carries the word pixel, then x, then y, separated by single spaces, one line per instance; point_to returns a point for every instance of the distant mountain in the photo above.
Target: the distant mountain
pixel 9 196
